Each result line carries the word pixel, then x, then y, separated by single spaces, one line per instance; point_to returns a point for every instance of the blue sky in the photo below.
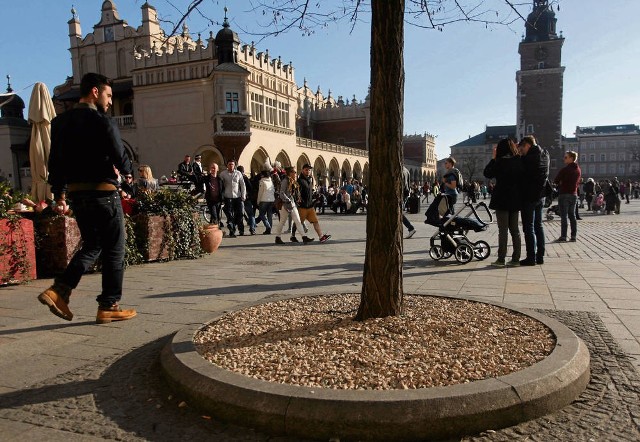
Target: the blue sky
pixel 457 81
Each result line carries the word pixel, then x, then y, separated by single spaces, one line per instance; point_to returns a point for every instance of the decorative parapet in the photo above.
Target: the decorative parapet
pixel 329 147
pixel 231 124
pixel 261 61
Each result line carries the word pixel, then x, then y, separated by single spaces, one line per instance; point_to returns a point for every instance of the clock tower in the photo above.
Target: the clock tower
pixel 539 82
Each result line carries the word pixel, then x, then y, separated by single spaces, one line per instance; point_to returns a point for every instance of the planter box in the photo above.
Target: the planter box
pixel 58 240
pixel 18 262
pixel 151 237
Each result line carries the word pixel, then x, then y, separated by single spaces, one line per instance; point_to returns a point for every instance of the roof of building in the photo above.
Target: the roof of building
pixel 613 129
pixel 492 134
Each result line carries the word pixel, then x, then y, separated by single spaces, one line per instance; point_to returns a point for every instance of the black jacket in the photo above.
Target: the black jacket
pixel 85 146
pixel 536 173
pixel 207 188
pixel 306 191
pixel 507 193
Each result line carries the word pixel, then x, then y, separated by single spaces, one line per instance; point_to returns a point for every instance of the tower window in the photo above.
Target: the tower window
pixel 541 65
pixel 529 129
pixel 232 103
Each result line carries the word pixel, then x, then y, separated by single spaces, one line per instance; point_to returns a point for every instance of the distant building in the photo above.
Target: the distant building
pixel 15 133
pixel 473 154
pixel 609 151
pixel 215 97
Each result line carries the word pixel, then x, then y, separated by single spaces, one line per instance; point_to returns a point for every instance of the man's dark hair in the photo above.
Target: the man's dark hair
pixel 91 80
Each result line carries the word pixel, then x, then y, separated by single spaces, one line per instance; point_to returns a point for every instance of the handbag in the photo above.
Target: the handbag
pixel 278 203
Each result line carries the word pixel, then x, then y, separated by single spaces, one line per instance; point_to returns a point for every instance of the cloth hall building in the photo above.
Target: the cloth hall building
pixel 182 94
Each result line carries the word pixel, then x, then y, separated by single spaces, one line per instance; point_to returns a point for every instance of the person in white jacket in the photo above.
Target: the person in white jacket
pixel 266 197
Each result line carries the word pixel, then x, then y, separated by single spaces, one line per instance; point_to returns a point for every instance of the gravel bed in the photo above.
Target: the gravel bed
pixel 314 342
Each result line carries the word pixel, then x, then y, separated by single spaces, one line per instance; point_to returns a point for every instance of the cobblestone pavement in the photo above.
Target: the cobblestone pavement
pixel 78 381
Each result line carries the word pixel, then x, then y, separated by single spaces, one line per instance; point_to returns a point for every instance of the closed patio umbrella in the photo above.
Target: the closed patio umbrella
pixel 41 112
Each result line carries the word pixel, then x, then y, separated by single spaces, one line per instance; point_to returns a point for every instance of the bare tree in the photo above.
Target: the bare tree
pixel 382 290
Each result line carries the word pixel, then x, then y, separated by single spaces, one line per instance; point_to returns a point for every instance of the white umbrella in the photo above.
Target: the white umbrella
pixel 41 112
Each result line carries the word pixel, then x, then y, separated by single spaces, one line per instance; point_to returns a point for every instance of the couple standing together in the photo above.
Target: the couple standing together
pixel 521 173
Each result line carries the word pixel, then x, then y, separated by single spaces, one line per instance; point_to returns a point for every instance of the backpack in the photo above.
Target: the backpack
pixel 459 180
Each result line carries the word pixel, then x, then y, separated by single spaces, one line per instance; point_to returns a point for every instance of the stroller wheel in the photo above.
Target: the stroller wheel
pixel 481 250
pixel 436 253
pixel 464 253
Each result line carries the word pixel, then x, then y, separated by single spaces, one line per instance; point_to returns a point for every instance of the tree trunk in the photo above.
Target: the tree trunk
pixel 382 278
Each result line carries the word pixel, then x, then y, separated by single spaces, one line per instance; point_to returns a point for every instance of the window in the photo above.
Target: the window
pixel 620 169
pixel 283 114
pixel 541 65
pixel 621 144
pixel 603 169
pixel 592 169
pixel 583 158
pixel 529 129
pixel 603 157
pixel 257 109
pixel 621 156
pixel 592 145
pixel 592 157
pixel 271 111
pixel 553 164
pixel 232 103
pixel 612 156
pixel 612 168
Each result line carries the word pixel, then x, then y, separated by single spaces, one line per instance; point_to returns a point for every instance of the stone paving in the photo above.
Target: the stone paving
pixel 79 381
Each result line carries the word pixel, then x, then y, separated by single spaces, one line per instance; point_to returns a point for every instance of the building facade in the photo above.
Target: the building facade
pixel 609 151
pixel 184 94
pixel 15 133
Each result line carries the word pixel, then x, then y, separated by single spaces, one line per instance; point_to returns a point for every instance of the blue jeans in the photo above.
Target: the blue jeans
pixel 567 206
pixel 101 223
pixel 251 215
pixel 266 214
pixel 214 210
pixel 233 208
pixel 532 228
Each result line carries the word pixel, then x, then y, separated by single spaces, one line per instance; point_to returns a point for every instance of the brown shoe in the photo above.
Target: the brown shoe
pixel 113 313
pixel 54 298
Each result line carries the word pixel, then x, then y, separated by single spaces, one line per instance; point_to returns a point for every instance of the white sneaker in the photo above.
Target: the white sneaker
pixel 410 234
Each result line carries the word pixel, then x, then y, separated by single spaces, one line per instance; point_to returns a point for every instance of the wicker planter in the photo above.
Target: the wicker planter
pixel 18 263
pixel 58 240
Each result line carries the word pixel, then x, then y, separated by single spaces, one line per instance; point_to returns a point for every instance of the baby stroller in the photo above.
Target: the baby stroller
pixel 451 238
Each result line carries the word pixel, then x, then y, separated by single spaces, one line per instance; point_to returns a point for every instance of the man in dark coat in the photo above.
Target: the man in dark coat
pixel 86 132
pixel 536 173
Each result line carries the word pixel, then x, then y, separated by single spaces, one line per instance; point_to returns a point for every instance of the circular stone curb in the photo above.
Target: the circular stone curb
pixel 418 414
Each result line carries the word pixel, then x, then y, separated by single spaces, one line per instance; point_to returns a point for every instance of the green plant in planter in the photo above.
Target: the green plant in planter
pixel 182 226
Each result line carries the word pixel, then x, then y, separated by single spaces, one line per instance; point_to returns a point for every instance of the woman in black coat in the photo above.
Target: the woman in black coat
pixel 507 169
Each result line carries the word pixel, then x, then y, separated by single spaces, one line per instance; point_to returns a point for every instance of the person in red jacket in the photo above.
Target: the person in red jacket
pixel 567 181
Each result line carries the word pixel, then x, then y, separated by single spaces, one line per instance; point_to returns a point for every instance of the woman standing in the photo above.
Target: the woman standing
pixel 290 196
pixel 266 197
pixel 507 169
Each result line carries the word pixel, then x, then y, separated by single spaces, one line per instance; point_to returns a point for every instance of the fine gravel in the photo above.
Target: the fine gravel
pixel 314 342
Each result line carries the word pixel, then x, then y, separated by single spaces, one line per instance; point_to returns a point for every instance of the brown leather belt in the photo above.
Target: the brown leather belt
pixel 79 187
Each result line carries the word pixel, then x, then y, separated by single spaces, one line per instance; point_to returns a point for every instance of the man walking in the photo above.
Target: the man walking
pixel 405 196
pixel 306 208
pixel 87 132
pixel 234 195
pixel 567 180
pixel 536 174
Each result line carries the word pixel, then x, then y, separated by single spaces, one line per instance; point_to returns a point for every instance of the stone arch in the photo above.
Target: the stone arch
pixel 259 161
pixel 320 172
pixel 283 159
pixel 346 173
pixel 365 174
pixel 210 154
pixel 302 160
pixel 131 153
pixel 357 171
pixel 334 171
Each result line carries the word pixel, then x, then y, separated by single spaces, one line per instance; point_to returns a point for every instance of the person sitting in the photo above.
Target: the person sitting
pixel 146 183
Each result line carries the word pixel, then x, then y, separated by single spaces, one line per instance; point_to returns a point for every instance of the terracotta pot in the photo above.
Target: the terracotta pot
pixel 210 238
